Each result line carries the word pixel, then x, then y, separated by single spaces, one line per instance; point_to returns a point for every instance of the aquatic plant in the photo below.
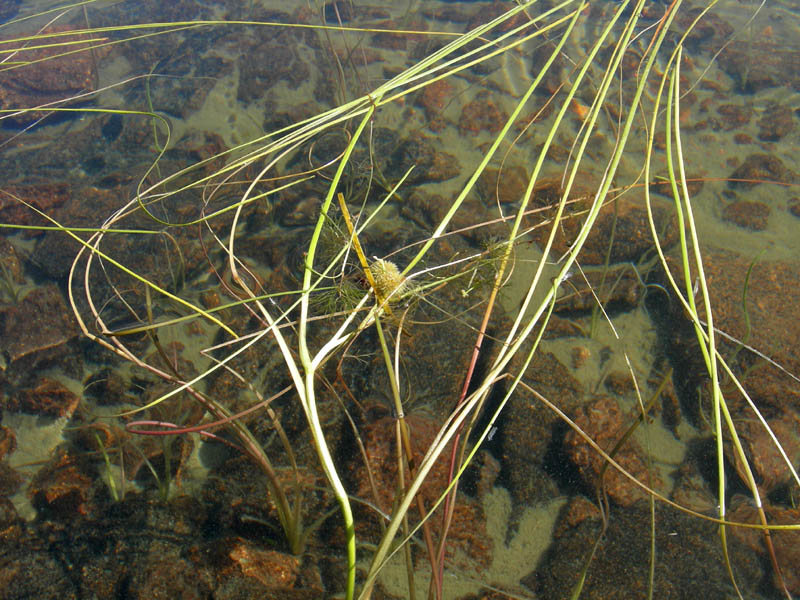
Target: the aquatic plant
pixel 618 87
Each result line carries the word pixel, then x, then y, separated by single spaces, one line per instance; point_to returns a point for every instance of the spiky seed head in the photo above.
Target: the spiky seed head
pixel 389 283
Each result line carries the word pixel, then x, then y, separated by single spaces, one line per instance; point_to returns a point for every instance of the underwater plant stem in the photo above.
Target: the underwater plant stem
pixel 450 500
pixel 308 395
pixel 689 307
pixel 404 448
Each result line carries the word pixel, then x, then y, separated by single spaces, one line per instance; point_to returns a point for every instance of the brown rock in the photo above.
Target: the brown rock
pixel 8 441
pixel 690 561
pixel 764 459
pixel 758 167
pixel 619 382
pixel 507 186
pixel 632 236
pixel 467 532
pixel 48 79
pixel 486 12
pixel 794 206
pixel 712 30
pixel 774 327
pixel 579 355
pixel 776 122
pixel 10 482
pixel 430 164
pixel 268 61
pixel 770 330
pixel 397 41
pixel 748 214
pixel 785 543
pixel 694 184
pixel 433 99
pixel 626 215
pixel 577 510
pixel 273 569
pixel 759 65
pixel 304 212
pixel 46 197
pixel 530 429
pixel 472 212
pixel 604 422
pixel 48 399
pixel 55 251
pixel 425 210
pixel 617 287
pixel 35 333
pixel 482 114
pixel 734 116
pixel 61 487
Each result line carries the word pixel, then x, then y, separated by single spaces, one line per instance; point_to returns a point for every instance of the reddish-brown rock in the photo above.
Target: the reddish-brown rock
pixel 785 543
pixel 49 78
pixel 467 531
pixel 48 398
pixel 8 441
pixel 760 167
pixel 734 116
pixel 482 114
pixel 62 487
pixel 747 214
pixel 605 423
pixel 774 327
pixel 35 334
pixel 775 123
pixel 433 99
pixel 506 186
pixel 766 462
pixel 759 65
pixel 14 203
pixel 273 569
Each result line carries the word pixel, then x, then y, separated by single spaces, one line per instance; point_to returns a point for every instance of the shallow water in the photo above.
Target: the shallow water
pixel 160 117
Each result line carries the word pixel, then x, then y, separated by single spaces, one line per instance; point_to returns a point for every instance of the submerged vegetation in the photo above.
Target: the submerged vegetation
pixel 358 275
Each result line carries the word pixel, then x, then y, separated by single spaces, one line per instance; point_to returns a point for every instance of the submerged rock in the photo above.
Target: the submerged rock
pixel 531 434
pixel 50 78
pixel 430 164
pixel 37 333
pixel 433 99
pixel 785 543
pixel 776 122
pixel 618 287
pixel 482 114
pixel 765 460
pixel 605 423
pixel 747 214
pixel 625 216
pixel 47 398
pixel 756 66
pixel 14 204
pixel 689 562
pixel 757 167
